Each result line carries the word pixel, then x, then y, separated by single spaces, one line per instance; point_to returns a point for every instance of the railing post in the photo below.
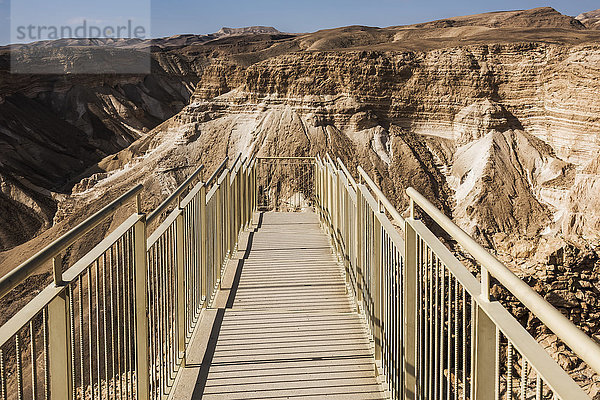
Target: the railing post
pixel 234 211
pixel 337 224
pixel 359 245
pixel 378 334
pixel 315 183
pixel 409 304
pixel 239 214
pixel 243 196
pixel 203 247
pixel 255 186
pixel 221 230
pixel 142 367
pixel 59 339
pixel 347 239
pixel 227 187
pixel 248 196
pixel 483 350
pixel 181 331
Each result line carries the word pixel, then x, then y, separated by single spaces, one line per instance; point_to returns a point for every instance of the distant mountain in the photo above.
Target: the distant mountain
pixel 543 17
pixel 249 30
pixel 171 42
pixel 590 19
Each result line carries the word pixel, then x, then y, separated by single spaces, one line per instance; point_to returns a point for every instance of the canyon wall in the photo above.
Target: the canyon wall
pixel 504 136
pixel 494 118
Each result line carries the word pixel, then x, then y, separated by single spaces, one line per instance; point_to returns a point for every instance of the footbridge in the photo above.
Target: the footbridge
pixel 280 277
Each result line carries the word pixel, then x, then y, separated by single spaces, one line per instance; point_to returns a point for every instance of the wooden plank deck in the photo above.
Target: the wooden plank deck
pixel 283 325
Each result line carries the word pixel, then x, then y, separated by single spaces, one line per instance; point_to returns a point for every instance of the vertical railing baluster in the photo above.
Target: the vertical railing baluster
pixel 456 336
pixel 90 332
pixel 439 328
pixel 436 328
pixel 105 327
pixel 98 353
pixel 19 361
pixel 464 343
pixel 449 337
pixel 359 246
pixel 3 394
pixel 180 277
pixel 141 310
pixel 377 292
pixel 80 320
pixel 432 331
pixel 32 348
pixel 509 370
pixel 524 368
pixel 111 266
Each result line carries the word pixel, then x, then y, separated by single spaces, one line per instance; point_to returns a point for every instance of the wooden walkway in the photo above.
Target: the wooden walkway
pixel 283 325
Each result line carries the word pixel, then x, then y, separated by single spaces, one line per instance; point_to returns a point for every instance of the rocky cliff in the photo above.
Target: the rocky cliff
pixel 502 133
pixel 53 128
pixel 494 117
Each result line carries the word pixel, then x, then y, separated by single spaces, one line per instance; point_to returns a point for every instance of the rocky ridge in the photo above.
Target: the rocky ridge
pixel 590 19
pixel 54 128
pixel 503 135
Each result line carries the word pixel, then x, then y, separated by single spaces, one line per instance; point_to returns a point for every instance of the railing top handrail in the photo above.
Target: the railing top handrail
pixel 328 157
pixel 567 331
pixel 217 171
pixel 381 197
pixel 251 160
pixel 26 269
pixel 348 174
pixel 175 196
pixel 237 159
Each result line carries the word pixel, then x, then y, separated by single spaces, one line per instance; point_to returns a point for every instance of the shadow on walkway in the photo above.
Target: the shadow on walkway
pixel 218 322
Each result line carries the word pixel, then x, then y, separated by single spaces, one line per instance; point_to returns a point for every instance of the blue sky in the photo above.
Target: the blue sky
pixel 165 18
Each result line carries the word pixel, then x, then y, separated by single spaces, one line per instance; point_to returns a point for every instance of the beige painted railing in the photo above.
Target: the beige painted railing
pixel 285 183
pixel 117 322
pixel 437 332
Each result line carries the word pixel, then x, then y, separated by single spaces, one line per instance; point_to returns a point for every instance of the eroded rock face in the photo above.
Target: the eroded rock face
pixel 590 19
pixel 446 81
pixel 492 121
pixel 498 135
pixel 54 127
pixel 502 137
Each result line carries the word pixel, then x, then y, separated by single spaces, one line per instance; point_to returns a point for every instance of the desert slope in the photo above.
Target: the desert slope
pixel 527 112
pixel 590 19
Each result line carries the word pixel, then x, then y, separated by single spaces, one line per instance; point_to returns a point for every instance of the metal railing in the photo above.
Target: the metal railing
pixel 437 332
pixel 285 183
pixel 117 322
